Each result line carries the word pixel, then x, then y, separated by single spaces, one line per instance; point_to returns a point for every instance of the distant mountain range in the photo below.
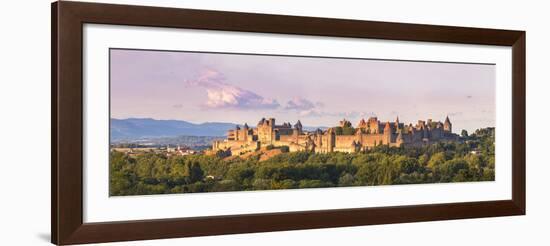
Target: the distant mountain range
pixel 138 128
pixel 141 128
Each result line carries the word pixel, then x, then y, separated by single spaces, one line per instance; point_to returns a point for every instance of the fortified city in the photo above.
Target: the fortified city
pixel 343 138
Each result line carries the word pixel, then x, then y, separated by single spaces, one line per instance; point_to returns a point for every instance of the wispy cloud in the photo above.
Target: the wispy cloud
pixel 299 103
pixel 348 115
pixel 222 95
pixel 311 113
pixel 455 114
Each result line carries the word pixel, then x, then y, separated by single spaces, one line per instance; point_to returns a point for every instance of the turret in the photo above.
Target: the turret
pixel 447 126
pixel 331 141
pixel 387 134
pixel 345 123
pixel 297 129
pixel 387 128
pixel 261 122
pixel 373 125
pixel 362 124
pixel 298 125
pixel 421 124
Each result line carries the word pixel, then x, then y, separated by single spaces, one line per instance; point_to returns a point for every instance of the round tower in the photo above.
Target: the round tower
pixel 387 128
pixel 331 134
pixel 387 133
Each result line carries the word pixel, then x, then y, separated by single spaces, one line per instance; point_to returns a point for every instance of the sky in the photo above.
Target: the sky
pixel 243 88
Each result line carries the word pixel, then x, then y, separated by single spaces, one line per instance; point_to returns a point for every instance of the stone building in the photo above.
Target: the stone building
pixel 366 134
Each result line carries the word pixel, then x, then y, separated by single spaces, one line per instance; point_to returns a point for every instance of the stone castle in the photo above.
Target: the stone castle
pixel 343 138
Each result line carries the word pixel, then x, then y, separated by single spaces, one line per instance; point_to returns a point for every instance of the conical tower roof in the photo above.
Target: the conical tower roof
pixel 397 122
pixel 361 123
pixel 387 127
pixel 298 124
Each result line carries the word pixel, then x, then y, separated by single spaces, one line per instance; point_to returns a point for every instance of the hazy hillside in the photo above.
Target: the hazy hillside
pixel 134 128
pixel 139 128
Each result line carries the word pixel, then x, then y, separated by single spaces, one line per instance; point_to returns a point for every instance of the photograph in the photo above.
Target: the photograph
pixel 137 122
pixel 195 121
pixel 273 123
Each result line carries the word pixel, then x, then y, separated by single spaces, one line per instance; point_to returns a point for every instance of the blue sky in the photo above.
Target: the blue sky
pixel 205 87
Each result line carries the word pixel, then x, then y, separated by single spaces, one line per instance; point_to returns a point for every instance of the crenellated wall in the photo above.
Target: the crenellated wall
pixel 368 134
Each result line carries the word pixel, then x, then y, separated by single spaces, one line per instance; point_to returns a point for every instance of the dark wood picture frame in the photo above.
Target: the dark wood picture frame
pixel 67 123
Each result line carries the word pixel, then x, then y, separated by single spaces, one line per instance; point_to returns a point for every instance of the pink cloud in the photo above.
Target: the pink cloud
pixel 300 104
pixel 352 114
pixel 222 95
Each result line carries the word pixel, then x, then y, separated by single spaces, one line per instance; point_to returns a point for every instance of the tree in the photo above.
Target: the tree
pixel 261 184
pixel 144 172
pixel 368 174
pixel 346 179
pixel 241 174
pixel 348 130
pixel 225 185
pixel 451 168
pixel 436 160
pixel 144 166
pixel 423 159
pixel 285 149
pixel 283 184
pixel 194 172
pixel 223 153
pixel 464 133
pixel 408 165
pixel 308 183
pixel 298 157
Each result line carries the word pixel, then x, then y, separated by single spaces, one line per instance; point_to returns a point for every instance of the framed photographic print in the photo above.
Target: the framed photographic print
pixel 175 122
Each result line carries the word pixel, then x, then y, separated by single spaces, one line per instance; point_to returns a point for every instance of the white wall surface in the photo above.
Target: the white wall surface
pixel 25 122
